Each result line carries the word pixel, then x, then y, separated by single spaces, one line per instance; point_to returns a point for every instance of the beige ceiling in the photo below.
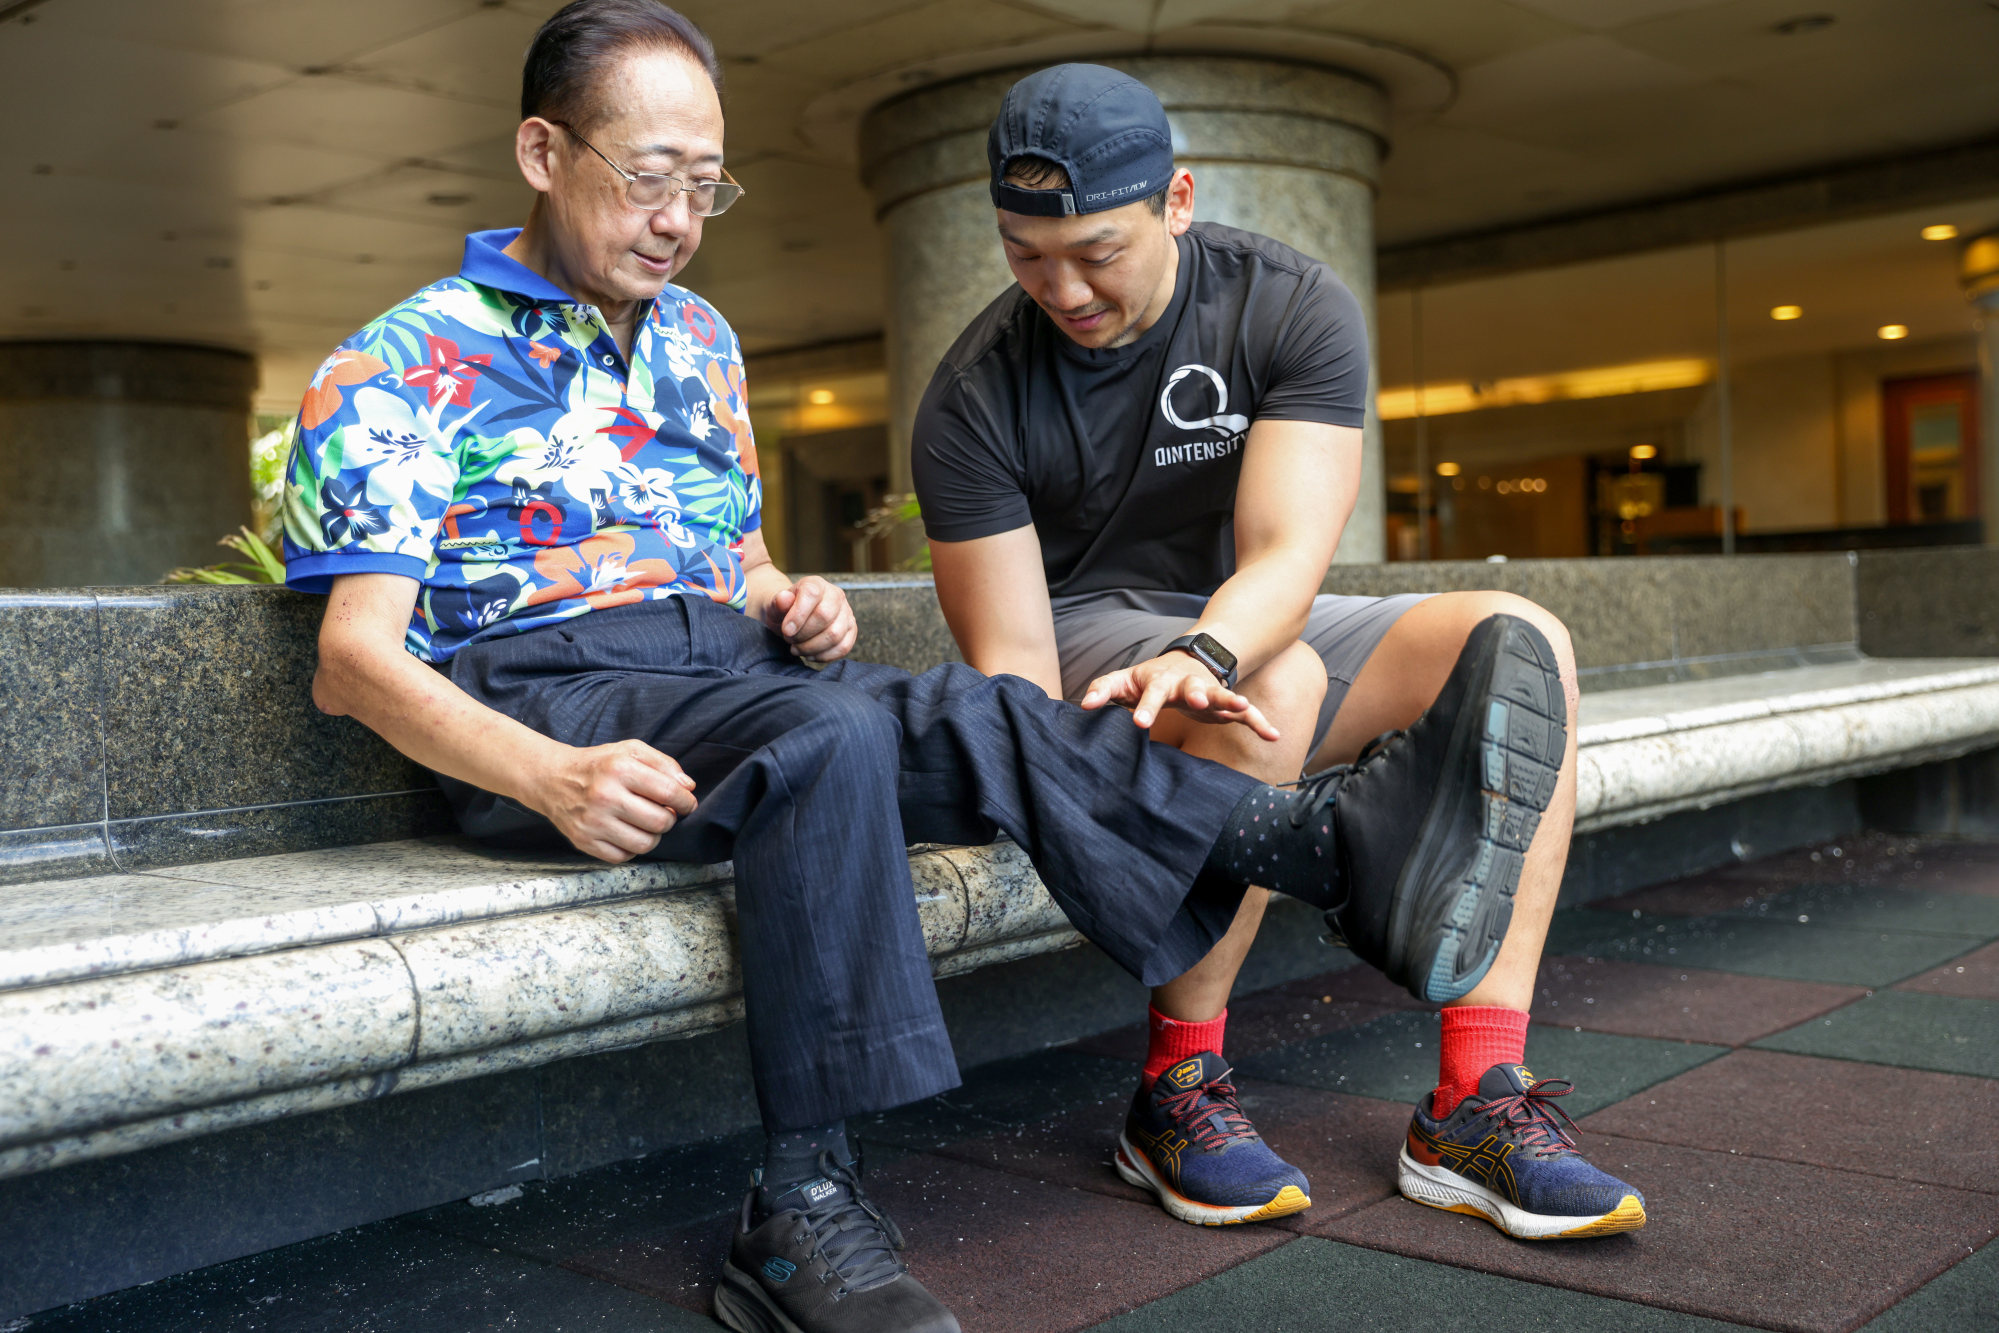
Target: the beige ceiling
pixel 268 174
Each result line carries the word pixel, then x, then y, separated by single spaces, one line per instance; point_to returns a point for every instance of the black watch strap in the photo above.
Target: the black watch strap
pixel 1204 648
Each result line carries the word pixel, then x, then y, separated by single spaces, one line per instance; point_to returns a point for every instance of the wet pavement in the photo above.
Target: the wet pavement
pixel 1797 1061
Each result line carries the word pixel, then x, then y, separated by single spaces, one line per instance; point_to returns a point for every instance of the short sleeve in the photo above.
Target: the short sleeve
pixel 1319 366
pixel 958 456
pixel 369 479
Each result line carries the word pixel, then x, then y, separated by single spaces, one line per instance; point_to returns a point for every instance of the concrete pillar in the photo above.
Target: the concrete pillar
pixel 119 461
pixel 1290 151
pixel 1979 269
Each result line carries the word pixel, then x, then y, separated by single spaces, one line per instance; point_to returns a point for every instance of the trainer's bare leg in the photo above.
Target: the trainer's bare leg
pixel 1289 689
pixel 1405 673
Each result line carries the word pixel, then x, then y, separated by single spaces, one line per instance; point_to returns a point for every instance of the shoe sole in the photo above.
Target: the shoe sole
pixel 1515 716
pixel 1137 1170
pixel 740 1304
pixel 1440 1187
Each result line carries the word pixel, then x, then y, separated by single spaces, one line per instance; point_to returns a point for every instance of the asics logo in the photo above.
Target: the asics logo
pixel 779 1270
pixel 1223 422
pixel 1184 1075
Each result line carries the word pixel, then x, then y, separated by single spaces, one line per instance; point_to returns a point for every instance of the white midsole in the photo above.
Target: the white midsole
pixel 1441 1187
pixel 1137 1170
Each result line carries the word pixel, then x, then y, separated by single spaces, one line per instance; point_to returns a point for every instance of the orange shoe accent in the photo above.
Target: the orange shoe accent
pixel 1627 1216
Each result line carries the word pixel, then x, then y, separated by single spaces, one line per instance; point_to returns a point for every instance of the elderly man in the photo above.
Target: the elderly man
pixel 530 494
pixel 1134 468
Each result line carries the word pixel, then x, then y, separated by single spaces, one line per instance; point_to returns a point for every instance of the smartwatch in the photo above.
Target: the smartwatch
pixel 1206 650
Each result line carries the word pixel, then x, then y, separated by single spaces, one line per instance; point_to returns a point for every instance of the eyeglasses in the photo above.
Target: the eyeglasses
pixel 650 190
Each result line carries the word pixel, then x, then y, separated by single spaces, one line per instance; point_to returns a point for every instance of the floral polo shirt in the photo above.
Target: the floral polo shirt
pixel 486 438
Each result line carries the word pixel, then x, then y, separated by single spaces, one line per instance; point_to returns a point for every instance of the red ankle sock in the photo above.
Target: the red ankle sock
pixel 1173 1041
pixel 1475 1039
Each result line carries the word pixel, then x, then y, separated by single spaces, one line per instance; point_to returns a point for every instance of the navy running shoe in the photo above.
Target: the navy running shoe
pixel 1188 1141
pixel 1505 1154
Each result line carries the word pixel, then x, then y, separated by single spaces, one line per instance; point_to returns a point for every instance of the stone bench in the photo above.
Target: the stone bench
pixel 182 995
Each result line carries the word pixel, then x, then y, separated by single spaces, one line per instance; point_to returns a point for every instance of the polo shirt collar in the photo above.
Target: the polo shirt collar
pixel 488 265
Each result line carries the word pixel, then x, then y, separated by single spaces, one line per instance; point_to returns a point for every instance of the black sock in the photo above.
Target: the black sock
pixel 791 1157
pixel 1259 846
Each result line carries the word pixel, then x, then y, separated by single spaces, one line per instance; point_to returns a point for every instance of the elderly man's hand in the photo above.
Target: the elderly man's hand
pixel 1176 681
pixel 615 801
pixel 815 619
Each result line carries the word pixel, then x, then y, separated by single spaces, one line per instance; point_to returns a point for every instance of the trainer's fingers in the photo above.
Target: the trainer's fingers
pixel 1114 688
pixel 1253 718
pixel 1155 697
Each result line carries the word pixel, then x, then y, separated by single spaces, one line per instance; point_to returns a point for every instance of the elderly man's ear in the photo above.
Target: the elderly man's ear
pixel 534 147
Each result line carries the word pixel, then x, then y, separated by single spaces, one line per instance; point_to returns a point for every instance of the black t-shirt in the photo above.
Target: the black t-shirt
pixel 1125 459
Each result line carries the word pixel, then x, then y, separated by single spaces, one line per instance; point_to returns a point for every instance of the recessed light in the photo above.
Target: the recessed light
pixel 1641 452
pixel 1940 231
pixel 1787 312
pixel 819 397
pixel 1892 332
pixel 1448 469
pixel 1803 23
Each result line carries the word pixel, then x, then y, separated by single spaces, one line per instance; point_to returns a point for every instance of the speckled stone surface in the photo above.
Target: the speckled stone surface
pixel 262 830
pixel 1004 897
pixel 900 623
pixel 124 1048
pixel 1929 603
pixel 48 727
pixel 210 705
pixel 40 854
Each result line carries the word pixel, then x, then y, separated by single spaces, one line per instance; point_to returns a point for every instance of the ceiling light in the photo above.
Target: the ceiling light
pixel 1891 332
pixel 1448 469
pixel 1787 312
pixel 1941 231
pixel 1641 452
pixel 819 397
pixel 1803 23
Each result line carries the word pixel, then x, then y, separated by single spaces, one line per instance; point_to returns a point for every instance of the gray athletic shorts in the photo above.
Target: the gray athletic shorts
pixel 1099 632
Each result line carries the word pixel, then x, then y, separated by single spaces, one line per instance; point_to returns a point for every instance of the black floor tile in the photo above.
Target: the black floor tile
pixel 1946 1033
pixel 1873 908
pixel 1311 1286
pixel 385 1278
pixel 1963 1296
pixel 1395 1057
pixel 999 1095
pixel 1764 947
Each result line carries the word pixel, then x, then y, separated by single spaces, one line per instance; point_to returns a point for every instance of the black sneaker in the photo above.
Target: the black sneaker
pixel 1429 826
pixel 825 1261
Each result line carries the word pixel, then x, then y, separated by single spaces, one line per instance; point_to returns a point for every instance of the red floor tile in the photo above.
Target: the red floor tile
pixel 1838 1113
pixel 1345 1146
pixel 1677 1004
pixel 1976 975
pixel 1745 1239
pixel 1006 1254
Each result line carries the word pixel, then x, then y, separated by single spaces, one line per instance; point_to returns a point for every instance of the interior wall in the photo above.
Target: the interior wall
pixel 1860 373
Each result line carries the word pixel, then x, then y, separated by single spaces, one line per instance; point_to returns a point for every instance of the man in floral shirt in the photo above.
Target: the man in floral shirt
pixel 530 495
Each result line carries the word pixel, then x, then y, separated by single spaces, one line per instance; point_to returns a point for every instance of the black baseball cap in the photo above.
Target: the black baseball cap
pixel 1107 130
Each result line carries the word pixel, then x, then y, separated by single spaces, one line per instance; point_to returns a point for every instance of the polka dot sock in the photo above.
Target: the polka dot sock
pixel 1259 846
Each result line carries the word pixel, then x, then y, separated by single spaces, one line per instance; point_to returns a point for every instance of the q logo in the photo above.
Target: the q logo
pixel 1223 422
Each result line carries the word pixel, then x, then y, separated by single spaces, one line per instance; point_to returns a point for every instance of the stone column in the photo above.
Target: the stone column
pixel 1290 151
pixel 119 461
pixel 1979 269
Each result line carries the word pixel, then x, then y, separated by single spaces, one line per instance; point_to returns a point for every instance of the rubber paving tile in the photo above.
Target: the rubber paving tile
pixel 1395 1058
pixel 1313 1286
pixel 1675 1003
pixel 377 1279
pixel 1259 1022
pixel 1008 1255
pixel 1940 1032
pixel 1875 907
pixel 1773 1244
pixel 1873 858
pixel 1789 949
pixel 554 1218
pixel 1974 976
pixel 1346 1146
pixel 998 1095
pixel 1908 1124
pixel 1963 1296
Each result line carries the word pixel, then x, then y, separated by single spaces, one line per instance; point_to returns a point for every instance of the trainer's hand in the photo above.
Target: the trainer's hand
pixel 1176 681
pixel 815 619
pixel 614 801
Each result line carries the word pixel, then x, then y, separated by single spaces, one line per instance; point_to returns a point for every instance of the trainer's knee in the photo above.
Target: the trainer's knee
pixel 1290 686
pixel 1479 605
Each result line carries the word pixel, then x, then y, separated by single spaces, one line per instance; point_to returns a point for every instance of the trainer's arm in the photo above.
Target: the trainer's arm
pixel 613 801
pixel 995 598
pixel 1299 482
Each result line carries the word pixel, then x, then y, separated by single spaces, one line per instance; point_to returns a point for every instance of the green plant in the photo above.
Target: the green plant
pixel 265 566
pixel 891 516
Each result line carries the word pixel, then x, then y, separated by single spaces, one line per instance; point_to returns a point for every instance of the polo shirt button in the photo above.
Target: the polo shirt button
pixel 610 361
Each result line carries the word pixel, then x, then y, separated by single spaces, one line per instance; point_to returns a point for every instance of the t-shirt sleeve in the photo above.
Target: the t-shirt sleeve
pixel 369 479
pixel 1319 366
pixel 959 459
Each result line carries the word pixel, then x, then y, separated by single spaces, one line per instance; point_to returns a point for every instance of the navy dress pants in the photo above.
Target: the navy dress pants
pixel 814 783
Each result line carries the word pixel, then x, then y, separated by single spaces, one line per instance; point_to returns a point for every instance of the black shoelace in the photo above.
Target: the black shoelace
pixel 859 1243
pixel 1321 790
